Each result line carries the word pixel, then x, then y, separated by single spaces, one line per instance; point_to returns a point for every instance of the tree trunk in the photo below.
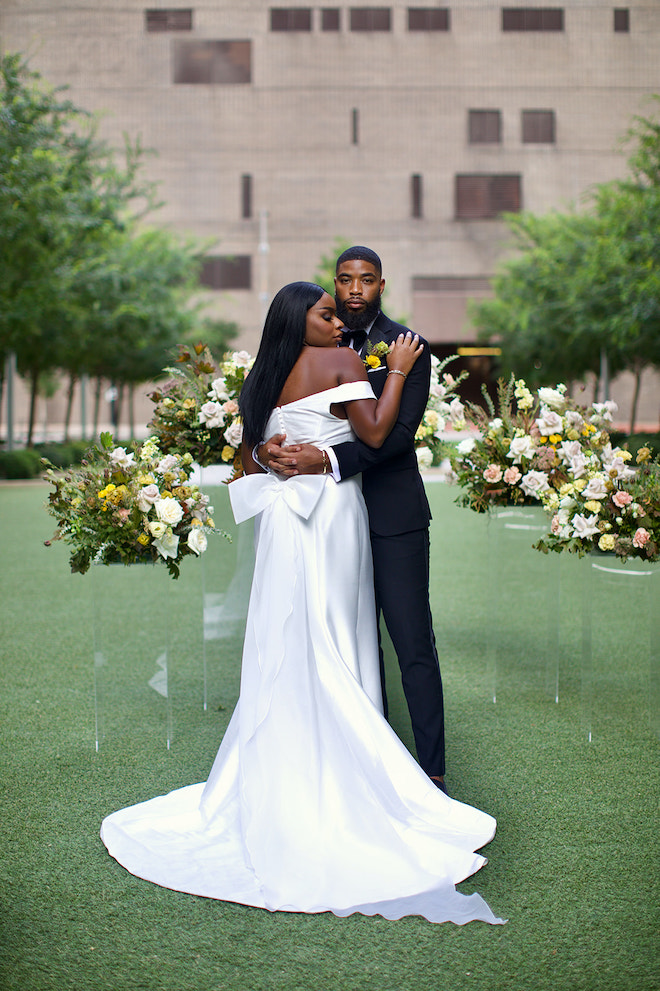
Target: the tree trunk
pixel 34 386
pixel 131 409
pixel 69 406
pixel 119 401
pixel 635 399
pixel 97 407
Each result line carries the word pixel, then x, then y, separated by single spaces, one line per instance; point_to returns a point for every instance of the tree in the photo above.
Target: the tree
pixel 84 286
pixel 584 285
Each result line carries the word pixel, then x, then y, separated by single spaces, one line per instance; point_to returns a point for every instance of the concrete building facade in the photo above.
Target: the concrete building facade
pixel 279 129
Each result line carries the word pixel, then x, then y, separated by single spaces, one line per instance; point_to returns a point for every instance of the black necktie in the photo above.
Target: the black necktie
pixel 356 338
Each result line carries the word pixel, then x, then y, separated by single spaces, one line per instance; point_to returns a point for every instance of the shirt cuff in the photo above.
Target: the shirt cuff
pixel 255 457
pixel 334 464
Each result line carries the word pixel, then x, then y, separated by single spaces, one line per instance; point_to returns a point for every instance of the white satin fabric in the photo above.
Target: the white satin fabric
pixel 312 804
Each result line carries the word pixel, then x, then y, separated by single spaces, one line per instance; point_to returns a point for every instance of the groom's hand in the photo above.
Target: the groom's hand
pixel 292 459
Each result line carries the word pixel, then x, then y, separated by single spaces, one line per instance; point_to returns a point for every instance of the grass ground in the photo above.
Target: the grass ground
pixel 574 865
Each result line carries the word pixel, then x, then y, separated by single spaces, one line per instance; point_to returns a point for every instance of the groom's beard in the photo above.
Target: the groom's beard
pixel 360 320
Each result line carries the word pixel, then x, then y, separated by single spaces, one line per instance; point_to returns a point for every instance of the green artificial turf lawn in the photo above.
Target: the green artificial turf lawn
pixel 573 865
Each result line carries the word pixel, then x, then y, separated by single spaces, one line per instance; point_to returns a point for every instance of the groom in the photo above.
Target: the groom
pixel 393 490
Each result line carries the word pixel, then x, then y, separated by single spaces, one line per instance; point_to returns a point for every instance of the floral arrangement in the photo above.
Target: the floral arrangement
pixel 526 445
pixel 197 410
pixel 444 410
pixel 598 501
pixel 376 354
pixel 129 507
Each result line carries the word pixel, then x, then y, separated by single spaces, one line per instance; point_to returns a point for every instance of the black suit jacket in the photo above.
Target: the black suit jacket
pixel 391 483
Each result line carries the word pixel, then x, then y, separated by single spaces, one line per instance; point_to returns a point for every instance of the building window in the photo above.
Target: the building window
pixel 291 18
pixel 330 19
pixel 622 19
pixel 532 19
pixel 416 191
pixel 246 196
pixel 177 19
pixel 428 18
pixel 484 197
pixel 231 272
pixel 484 127
pixel 355 126
pixel 371 19
pixel 215 62
pixel 538 127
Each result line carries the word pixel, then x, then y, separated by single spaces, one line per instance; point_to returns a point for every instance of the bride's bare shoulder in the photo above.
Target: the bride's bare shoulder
pixel 349 365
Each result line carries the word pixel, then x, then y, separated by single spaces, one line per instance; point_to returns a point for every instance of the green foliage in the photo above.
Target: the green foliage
pixel 24 463
pixel 85 287
pixel 584 282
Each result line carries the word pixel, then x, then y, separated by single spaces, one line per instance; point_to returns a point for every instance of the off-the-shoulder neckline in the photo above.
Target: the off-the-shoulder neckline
pixel 323 392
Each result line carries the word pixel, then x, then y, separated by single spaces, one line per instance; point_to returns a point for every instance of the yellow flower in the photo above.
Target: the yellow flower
pixel 588 428
pixel 227 453
pixel 555 438
pixel 542 440
pixel 143 539
pixel 593 506
pixel 644 454
pixel 373 361
pixel 146 479
pixel 189 404
pixel 210 522
pixel 625 455
pixel 607 542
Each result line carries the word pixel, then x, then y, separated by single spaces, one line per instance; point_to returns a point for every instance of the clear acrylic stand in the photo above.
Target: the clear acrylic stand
pixel 620 645
pixel 132 612
pixel 226 581
pixel 521 582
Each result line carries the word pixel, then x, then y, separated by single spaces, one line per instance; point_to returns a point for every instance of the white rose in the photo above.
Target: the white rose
pixel 533 483
pixel 212 415
pixel 549 422
pixel 424 457
pixel 218 390
pixel 495 424
pixel 465 446
pixel 552 398
pixel 521 447
pixel 167 463
pixel 456 411
pixel 242 359
pixel 146 497
pixel 569 449
pixel 595 489
pixel 573 419
pixel 168 511
pixel 157 529
pixel 585 526
pixel 167 545
pixel 121 459
pixel 578 466
pixel 197 541
pixel 234 433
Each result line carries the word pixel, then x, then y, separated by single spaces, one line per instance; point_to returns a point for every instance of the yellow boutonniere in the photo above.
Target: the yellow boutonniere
pixel 375 354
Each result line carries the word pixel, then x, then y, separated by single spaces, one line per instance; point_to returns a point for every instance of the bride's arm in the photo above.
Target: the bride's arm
pixel 372 421
pixel 250 466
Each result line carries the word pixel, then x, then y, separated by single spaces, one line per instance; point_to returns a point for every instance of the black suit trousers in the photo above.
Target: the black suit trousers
pixel 401 578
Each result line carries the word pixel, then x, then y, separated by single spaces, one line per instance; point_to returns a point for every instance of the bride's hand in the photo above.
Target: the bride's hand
pixel 404 352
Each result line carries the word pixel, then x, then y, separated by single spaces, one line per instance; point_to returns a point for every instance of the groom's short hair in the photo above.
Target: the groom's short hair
pixel 359 253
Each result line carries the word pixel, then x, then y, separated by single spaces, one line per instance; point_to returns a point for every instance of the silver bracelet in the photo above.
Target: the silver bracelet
pixel 396 371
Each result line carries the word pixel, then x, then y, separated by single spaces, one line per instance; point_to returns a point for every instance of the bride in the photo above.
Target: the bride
pixel 313 804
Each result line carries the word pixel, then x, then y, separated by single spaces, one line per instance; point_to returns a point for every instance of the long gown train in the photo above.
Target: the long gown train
pixel 313 804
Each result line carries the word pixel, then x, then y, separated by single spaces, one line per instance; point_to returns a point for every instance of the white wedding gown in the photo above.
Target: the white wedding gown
pixel 313 804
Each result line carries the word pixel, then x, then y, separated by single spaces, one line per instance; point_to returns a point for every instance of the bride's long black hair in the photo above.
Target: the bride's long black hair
pixel 281 343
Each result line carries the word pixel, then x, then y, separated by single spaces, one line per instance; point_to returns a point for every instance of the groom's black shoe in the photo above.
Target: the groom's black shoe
pixel 441 785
